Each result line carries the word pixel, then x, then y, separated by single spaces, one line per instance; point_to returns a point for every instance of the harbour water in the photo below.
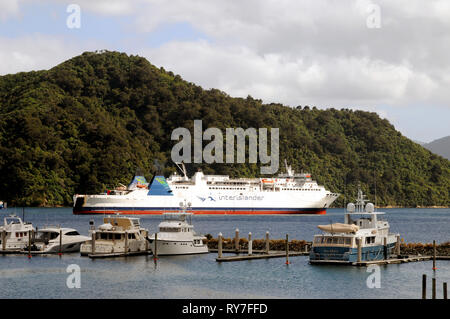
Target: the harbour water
pixel 202 277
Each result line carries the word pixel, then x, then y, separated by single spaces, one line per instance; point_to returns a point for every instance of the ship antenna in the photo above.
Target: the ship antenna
pixel 182 168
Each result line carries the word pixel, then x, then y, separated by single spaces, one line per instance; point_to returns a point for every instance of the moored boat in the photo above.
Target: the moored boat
pixel 15 233
pixel 176 236
pixel 55 239
pixel 364 236
pixel 117 236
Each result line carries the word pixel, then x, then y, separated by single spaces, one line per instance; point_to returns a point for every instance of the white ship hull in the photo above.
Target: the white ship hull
pixel 174 247
pixel 213 195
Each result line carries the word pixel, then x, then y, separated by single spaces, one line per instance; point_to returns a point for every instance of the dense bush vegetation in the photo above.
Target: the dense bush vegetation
pixel 88 123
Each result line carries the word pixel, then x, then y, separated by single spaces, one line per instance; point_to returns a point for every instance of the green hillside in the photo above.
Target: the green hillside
pixel 88 123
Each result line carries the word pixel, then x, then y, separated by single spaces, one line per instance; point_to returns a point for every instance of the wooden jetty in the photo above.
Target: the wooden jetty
pixel 271 254
pixel 253 254
pixel 393 260
pixel 114 255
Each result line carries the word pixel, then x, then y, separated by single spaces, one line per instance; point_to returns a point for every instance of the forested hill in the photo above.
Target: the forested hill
pixel 88 123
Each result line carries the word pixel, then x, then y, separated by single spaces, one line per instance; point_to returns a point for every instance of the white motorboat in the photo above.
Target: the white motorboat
pixel 176 236
pixel 49 240
pixel 117 236
pixel 15 233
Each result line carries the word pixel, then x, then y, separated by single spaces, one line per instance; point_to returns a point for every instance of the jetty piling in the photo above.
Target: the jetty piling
pixel 397 246
pixel 444 286
pixel 4 240
pixel 29 244
pixel 126 243
pixel 433 288
pixel 385 248
pixel 93 243
pixel 424 286
pixel 60 242
pixel 155 253
pixel 267 242
pixel 146 240
pixel 434 255
pixel 358 242
pixel 250 244
pixel 219 246
pixel 236 240
pixel 287 249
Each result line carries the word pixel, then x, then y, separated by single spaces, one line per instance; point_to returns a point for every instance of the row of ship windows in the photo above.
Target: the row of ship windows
pixel 242 189
pixel 20 234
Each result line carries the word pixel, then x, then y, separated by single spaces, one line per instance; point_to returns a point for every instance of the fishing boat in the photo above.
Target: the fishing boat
pixel 117 236
pixel 288 193
pixel 363 236
pixel 176 235
pixel 15 233
pixel 55 239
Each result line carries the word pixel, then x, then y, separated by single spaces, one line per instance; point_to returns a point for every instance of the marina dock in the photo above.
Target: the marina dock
pixel 113 255
pixel 264 255
pixel 394 260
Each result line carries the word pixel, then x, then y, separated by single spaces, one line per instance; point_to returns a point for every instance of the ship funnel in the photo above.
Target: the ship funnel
pixel 159 186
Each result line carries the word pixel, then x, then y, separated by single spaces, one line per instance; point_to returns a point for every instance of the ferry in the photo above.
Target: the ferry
pixel 364 236
pixel 288 193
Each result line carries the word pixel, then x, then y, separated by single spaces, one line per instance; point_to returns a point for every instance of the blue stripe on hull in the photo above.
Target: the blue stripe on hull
pixel 349 254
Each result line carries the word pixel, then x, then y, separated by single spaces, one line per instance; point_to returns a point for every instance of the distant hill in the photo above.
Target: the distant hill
pixel 440 146
pixel 88 123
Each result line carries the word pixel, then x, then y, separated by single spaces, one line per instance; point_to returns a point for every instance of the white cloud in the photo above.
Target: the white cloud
pixel 321 53
pixel 8 8
pixel 37 52
pixel 296 52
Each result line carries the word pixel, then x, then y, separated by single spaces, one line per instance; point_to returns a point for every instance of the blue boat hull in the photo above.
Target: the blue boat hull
pixel 350 254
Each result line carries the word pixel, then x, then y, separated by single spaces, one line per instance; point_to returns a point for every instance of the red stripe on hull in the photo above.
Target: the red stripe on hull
pixel 206 212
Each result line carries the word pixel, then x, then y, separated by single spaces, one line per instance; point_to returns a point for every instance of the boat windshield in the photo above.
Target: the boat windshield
pixel 169 229
pixel 12 220
pixel 333 240
pixel 46 235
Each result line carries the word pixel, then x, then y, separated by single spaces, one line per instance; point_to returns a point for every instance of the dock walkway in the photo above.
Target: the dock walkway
pixel 395 260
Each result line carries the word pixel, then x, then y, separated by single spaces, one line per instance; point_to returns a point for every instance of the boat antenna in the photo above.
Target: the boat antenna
pixel 23 214
pixel 345 198
pixel 375 182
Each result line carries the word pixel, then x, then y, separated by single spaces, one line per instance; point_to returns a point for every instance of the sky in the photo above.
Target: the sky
pixel 389 57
